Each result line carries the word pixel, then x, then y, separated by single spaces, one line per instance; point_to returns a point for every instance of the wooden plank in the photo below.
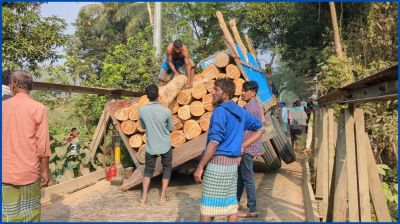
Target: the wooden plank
pixel 339 197
pixel 332 125
pixel 180 155
pixel 59 190
pixel 362 169
pixel 352 184
pixel 375 186
pixel 250 45
pixel 98 135
pixel 236 34
pixel 310 204
pixel 324 164
pixel 320 159
pixel 227 34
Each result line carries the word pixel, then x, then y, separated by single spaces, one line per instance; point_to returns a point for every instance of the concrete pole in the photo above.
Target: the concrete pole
pixel 157 28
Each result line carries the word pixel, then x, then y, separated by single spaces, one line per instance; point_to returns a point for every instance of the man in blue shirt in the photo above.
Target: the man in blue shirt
pixel 157 120
pixel 223 152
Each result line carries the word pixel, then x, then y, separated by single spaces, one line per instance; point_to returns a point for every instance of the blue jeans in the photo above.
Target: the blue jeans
pixel 246 179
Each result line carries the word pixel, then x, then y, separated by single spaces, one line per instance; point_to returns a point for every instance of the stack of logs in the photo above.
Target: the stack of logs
pixel 191 108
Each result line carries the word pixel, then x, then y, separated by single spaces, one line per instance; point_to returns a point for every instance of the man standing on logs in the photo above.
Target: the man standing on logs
pixel 177 62
pixel 26 152
pixel 157 120
pixel 245 172
pixel 222 154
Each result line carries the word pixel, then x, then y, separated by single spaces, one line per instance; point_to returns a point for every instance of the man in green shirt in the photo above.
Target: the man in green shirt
pixel 157 120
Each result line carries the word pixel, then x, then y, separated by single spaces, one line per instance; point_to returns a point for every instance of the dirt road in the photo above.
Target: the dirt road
pixel 279 198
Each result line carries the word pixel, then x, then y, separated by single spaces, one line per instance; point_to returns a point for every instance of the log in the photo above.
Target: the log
pixel 184 112
pixel 197 77
pixel 169 92
pixel 143 100
pixel 238 83
pixel 128 127
pixel 177 138
pixel 221 76
pixel 177 123
pixel 226 32
pixel 140 155
pixel 207 102
pixel 250 45
pixel 235 99
pixel 204 121
pixel 121 114
pixel 144 138
pixel 222 59
pixel 210 86
pixel 135 141
pixel 240 102
pixel 232 71
pixel 235 32
pixel 139 127
pixel 210 71
pixel 175 107
pixel 133 112
pixel 197 108
pixel 198 91
pixel 191 129
pixel 184 97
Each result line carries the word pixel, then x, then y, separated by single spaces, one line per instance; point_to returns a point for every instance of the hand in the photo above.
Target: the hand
pixel 44 179
pixel 197 175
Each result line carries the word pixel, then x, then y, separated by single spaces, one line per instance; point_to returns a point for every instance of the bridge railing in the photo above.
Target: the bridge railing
pixel 343 170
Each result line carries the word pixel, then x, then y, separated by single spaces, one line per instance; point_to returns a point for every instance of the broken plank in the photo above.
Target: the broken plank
pixel 101 128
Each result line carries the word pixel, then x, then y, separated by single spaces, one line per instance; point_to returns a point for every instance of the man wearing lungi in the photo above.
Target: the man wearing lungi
pixel 245 172
pixel 222 155
pixel 177 62
pixel 26 152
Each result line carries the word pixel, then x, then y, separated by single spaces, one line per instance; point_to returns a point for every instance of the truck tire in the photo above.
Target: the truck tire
pixel 282 145
pixel 270 157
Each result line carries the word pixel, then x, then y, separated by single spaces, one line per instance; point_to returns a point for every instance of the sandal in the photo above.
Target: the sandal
pixel 140 202
pixel 164 200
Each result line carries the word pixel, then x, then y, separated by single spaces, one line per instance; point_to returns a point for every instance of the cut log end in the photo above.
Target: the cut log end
pixel 177 138
pixel 204 121
pixel 191 129
pixel 135 141
pixel 140 155
pixel 197 108
pixel 128 127
pixel 232 71
pixel 184 112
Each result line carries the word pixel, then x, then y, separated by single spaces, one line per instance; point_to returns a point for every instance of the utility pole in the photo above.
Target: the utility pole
pixel 157 28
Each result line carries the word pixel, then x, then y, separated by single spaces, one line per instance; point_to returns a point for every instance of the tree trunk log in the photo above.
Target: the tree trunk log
pixel 174 107
pixel 140 155
pixel 222 59
pixel 135 141
pixel 144 138
pixel 177 138
pixel 198 91
pixel 139 127
pixel 121 114
pixel 204 121
pixel 143 100
pixel 210 86
pixel 232 71
pixel 133 112
pixel 191 129
pixel 128 127
pixel 207 102
pixel 168 92
pixel 184 112
pixel 220 76
pixel 238 83
pixel 336 35
pixel 210 71
pixel 197 108
pixel 177 123
pixel 184 97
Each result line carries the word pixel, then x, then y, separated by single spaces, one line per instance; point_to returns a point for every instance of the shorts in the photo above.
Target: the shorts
pixel 166 162
pixel 178 63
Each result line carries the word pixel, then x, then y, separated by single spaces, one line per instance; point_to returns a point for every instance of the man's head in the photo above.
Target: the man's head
pixel 20 81
pixel 223 90
pixel 152 92
pixel 74 132
pixel 177 46
pixel 250 89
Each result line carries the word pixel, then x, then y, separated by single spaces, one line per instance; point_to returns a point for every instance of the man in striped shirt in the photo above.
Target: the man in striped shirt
pixel 245 171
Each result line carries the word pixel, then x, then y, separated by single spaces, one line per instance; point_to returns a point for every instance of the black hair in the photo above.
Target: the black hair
pixel 73 129
pixel 227 86
pixel 6 77
pixel 250 85
pixel 23 79
pixel 152 92
pixel 177 43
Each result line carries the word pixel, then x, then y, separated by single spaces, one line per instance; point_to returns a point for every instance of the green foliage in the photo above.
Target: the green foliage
pixel 336 72
pixel 390 188
pixel 29 39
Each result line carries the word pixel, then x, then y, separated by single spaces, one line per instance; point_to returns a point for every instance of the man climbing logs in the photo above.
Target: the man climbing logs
pixel 177 62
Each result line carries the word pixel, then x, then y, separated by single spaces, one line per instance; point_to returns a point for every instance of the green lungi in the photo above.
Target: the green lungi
pixel 21 203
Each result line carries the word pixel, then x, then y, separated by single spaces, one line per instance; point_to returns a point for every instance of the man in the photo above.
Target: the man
pixel 177 62
pixel 157 120
pixel 222 154
pixel 298 121
pixel 26 151
pixel 5 89
pixel 285 118
pixel 245 171
pixel 74 134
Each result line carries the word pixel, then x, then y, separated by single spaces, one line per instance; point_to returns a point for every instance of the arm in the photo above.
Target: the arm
pixel 43 146
pixel 210 150
pixel 44 171
pixel 188 68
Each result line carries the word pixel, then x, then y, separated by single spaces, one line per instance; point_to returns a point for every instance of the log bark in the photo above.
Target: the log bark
pixel 184 112
pixel 222 59
pixel 238 83
pixel 210 71
pixel 210 86
pixel 226 32
pixel 184 97
pixel 204 121
pixel 140 155
pixel 232 71
pixel 133 112
pixel 191 129
pixel 143 100
pixel 169 92
pixel 135 141
pixel 198 91
pixel 177 123
pixel 207 102
pixel 128 127
pixel 177 138
pixel 139 127
pixel 121 114
pixel 197 108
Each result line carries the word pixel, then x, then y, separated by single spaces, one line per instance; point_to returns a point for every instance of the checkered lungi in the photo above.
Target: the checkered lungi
pixel 21 203
pixel 218 192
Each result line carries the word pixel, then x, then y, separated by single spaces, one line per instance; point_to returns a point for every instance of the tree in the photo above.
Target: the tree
pixel 29 39
pixel 336 35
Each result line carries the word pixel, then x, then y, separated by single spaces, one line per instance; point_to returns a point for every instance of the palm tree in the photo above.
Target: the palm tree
pixel 132 16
